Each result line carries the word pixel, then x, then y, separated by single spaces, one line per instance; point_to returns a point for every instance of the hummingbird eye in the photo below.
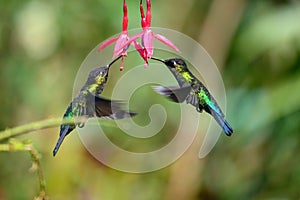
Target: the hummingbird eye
pixel 174 63
pixel 102 73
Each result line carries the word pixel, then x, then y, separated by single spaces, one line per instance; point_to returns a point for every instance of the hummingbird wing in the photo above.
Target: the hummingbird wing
pixel 111 109
pixel 106 108
pixel 175 93
pixel 193 99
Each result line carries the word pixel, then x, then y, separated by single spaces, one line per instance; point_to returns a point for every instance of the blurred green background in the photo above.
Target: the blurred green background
pixel 256 45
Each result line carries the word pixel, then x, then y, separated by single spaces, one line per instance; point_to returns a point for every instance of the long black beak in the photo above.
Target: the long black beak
pixel 158 59
pixel 112 62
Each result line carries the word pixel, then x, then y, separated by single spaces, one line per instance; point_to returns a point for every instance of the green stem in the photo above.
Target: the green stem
pixel 48 123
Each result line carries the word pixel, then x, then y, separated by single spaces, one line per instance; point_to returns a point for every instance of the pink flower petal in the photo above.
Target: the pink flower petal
pixel 147 42
pixel 166 41
pixel 120 44
pixel 141 51
pixel 107 42
pixel 133 38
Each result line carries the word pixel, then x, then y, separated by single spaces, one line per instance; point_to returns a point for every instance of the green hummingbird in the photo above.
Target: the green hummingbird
pixel 88 103
pixel 192 91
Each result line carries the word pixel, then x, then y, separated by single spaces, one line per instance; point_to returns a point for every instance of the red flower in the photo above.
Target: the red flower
pixel 121 40
pixel 147 35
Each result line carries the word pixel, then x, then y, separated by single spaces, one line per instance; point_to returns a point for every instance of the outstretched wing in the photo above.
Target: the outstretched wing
pixel 174 93
pixel 106 108
pixel 179 94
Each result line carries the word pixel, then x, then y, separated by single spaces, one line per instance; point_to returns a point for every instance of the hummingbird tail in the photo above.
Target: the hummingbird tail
pixel 227 128
pixel 63 133
pixel 222 122
pixel 174 93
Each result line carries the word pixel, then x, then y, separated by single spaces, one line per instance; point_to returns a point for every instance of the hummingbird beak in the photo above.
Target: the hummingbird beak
pixel 112 62
pixel 158 59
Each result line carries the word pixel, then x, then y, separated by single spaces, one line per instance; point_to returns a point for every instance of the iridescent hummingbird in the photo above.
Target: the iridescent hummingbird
pixel 88 103
pixel 192 91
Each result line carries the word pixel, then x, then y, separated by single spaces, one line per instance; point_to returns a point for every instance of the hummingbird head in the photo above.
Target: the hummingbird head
pixel 98 75
pixel 174 63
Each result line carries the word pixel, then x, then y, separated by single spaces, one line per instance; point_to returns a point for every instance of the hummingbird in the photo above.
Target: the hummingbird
pixel 88 103
pixel 191 90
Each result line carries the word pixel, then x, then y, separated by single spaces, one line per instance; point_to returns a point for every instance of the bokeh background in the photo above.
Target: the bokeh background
pixel 255 44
